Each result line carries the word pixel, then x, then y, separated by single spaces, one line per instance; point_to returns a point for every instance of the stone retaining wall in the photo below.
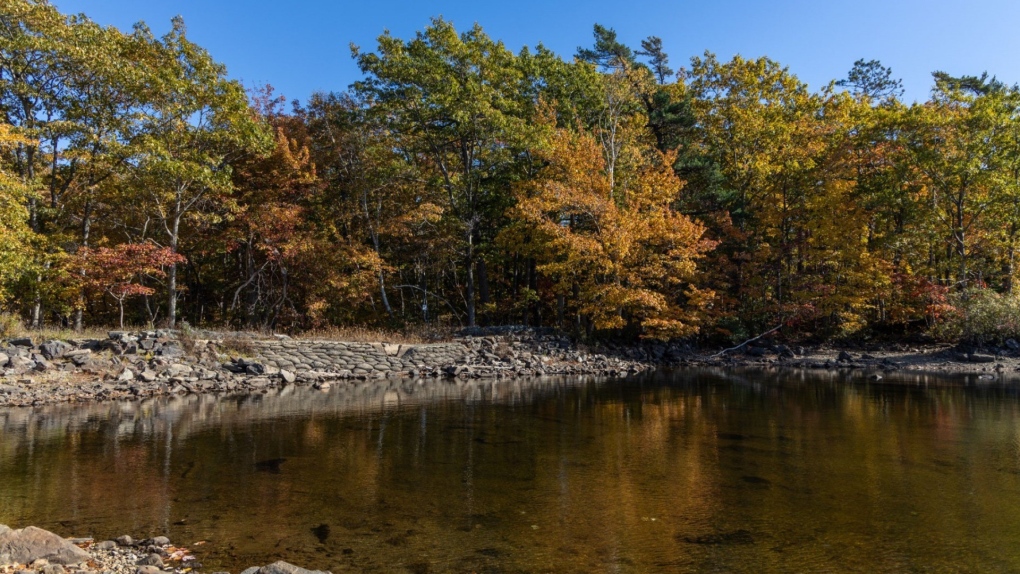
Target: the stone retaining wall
pixel 361 359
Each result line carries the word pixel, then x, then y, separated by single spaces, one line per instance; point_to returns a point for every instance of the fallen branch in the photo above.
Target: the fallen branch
pixel 740 346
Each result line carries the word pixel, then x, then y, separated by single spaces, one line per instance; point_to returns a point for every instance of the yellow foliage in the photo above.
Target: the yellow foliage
pixel 623 249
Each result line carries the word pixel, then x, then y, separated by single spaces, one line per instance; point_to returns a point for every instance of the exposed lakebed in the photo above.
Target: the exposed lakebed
pixel 695 470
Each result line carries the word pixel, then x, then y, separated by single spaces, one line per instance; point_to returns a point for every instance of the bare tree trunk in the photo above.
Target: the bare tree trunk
pixel 470 281
pixel 171 276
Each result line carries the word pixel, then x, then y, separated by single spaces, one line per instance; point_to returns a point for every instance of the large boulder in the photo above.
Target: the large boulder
pixel 27 545
pixel 281 567
pixel 55 349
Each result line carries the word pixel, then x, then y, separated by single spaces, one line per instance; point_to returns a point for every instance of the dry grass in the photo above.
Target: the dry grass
pixel 409 336
pixel 11 327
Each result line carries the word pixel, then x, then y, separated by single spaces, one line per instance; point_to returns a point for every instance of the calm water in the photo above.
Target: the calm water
pixel 689 472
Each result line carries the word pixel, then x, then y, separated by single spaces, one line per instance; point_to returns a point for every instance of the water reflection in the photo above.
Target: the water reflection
pixel 725 471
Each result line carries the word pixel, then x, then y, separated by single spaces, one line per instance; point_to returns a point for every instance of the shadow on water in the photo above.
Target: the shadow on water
pixel 686 471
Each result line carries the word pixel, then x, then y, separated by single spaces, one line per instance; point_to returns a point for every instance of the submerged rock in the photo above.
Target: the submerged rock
pixel 281 567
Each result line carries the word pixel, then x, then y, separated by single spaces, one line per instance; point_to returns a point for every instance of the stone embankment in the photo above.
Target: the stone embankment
pixel 33 550
pixel 129 365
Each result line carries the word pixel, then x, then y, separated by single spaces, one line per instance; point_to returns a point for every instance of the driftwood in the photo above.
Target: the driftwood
pixel 751 340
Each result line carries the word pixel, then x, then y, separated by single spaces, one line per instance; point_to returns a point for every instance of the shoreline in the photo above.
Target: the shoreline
pixel 32 550
pixel 137 365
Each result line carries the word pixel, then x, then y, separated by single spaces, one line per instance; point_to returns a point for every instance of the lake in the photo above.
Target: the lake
pixel 686 471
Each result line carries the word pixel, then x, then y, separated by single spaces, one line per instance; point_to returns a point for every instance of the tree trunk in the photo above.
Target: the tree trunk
pixel 171 276
pixel 470 281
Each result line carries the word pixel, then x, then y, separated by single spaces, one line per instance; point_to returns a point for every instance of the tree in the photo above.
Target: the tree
pixel 657 58
pixel 196 123
pixel 15 235
pixel 617 246
pixel 451 103
pixel 117 271
pixel 873 81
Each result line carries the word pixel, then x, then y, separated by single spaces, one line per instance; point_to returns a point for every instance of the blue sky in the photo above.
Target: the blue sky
pixel 301 46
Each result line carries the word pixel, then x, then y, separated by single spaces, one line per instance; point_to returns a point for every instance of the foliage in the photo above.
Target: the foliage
pixel 623 252
pixel 980 315
pixel 459 183
pixel 121 271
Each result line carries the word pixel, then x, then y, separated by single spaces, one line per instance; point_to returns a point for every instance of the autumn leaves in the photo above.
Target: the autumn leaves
pixel 459 182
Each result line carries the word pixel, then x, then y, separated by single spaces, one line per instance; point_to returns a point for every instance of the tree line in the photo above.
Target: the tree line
pixel 462 183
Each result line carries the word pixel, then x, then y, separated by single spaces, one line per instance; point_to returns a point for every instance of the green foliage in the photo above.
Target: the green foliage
pixel 980 315
pixel 459 183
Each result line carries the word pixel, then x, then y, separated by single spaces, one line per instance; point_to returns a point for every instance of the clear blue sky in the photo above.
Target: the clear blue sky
pixel 301 46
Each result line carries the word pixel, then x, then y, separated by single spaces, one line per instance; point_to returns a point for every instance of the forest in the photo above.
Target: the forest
pixel 460 183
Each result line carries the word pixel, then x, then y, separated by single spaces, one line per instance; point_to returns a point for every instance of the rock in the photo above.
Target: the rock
pixel 784 351
pixel 981 358
pixel 126 375
pixel 106 545
pixel 252 570
pixel 151 560
pixel 845 357
pixel 40 365
pixel 178 370
pixel 287 376
pixel 30 544
pixel 282 567
pixel 1012 345
pixel 54 349
pixel 21 342
pixel 148 375
pixel 161 541
pixel 53 569
pixel 125 540
pixel 4 359
pixel 148 569
pixel 255 369
pixel 323 386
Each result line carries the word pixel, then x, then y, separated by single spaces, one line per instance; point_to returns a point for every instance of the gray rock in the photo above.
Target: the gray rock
pixel 980 358
pixel 785 351
pixel 4 359
pixel 106 545
pixel 21 342
pixel 1012 345
pixel 148 569
pixel 178 370
pixel 126 375
pixel 161 541
pixel 287 376
pixel 282 567
pixel 845 357
pixel 255 369
pixel 148 375
pixel 30 544
pixel 252 570
pixel 151 560
pixel 125 540
pixel 53 569
pixel 54 349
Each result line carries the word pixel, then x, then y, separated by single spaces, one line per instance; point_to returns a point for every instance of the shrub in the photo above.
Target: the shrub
pixel 980 315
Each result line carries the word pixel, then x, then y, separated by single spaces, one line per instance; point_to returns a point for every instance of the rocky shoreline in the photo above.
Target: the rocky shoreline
pixel 136 365
pixel 33 550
